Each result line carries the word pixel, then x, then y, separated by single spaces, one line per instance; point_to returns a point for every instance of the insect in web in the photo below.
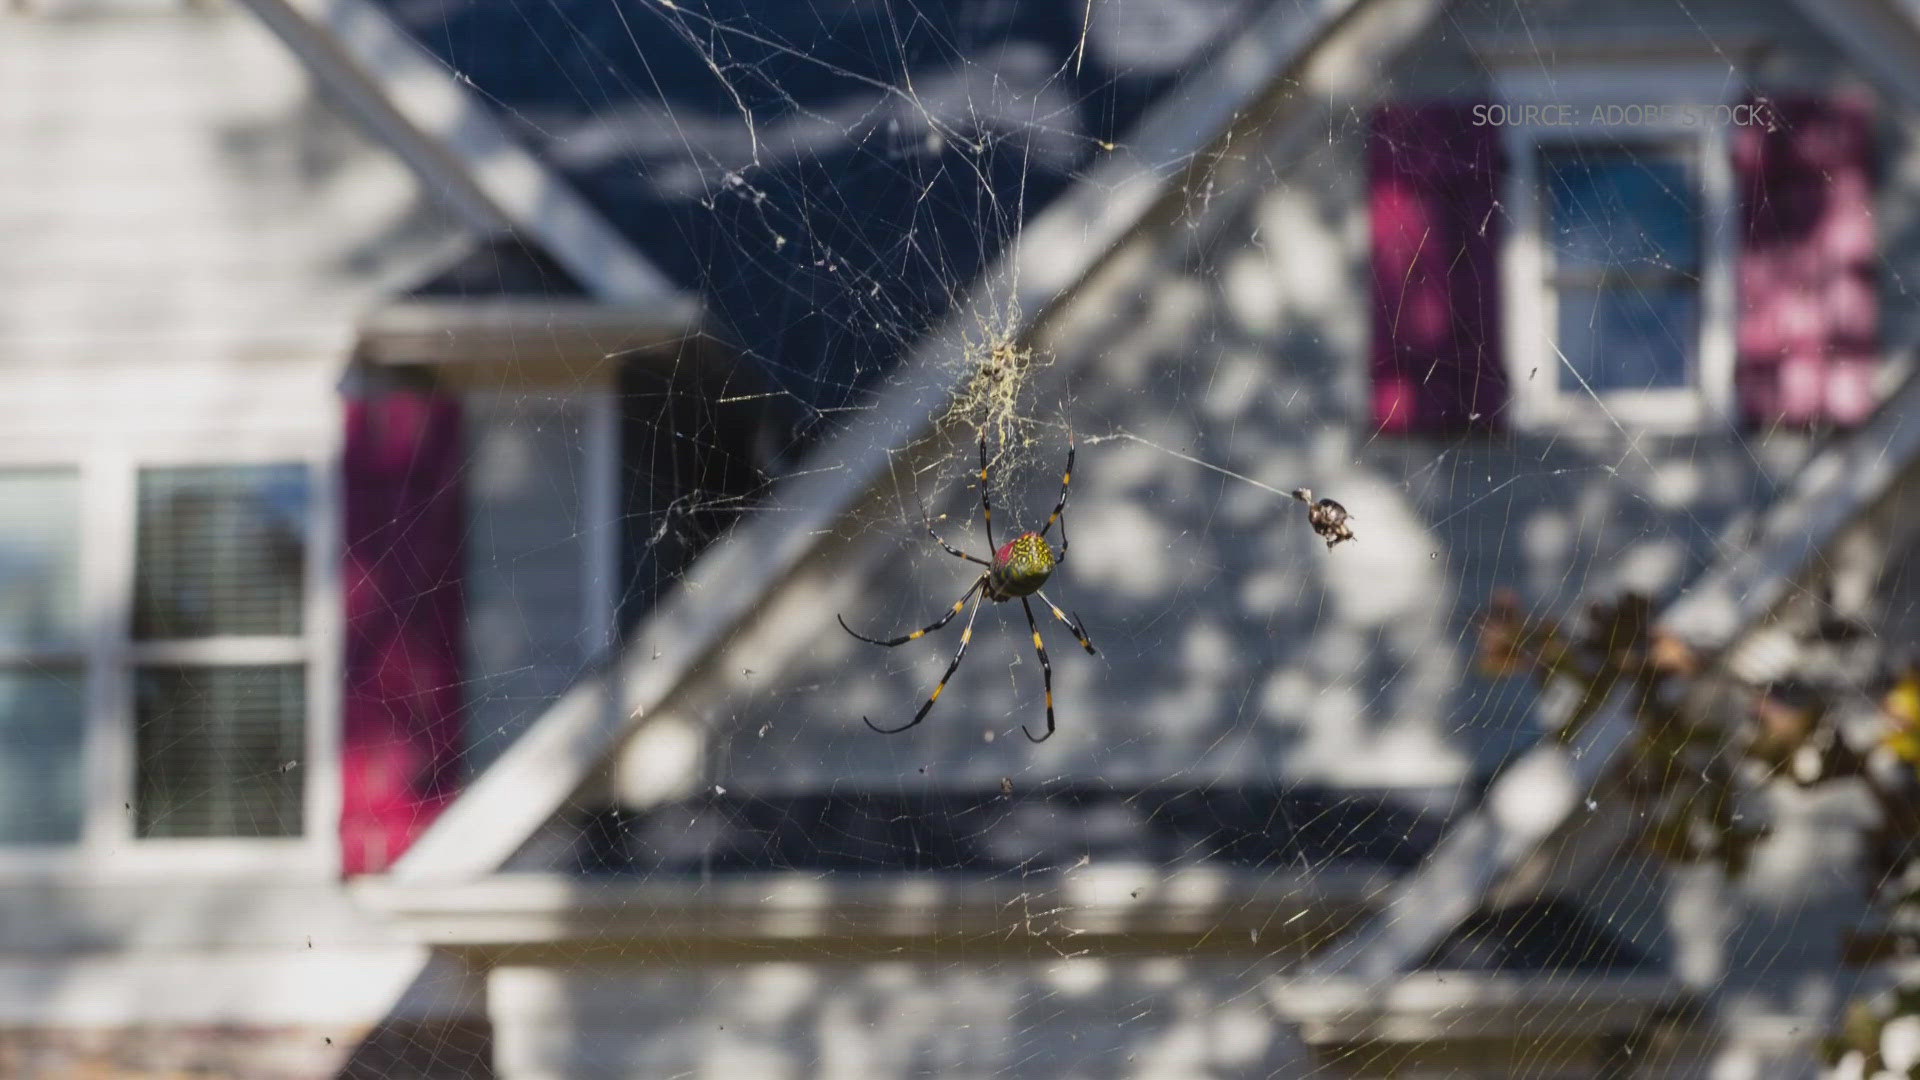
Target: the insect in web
pixel 1018 569
pixel 1329 519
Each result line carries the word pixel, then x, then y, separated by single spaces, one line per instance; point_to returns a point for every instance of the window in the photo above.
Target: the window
pixel 41 721
pixel 219 746
pixel 1622 274
pixel 155 644
pixel 219 709
pixel 1617 270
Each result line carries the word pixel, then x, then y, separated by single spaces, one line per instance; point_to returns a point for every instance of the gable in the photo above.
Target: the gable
pixel 1210 368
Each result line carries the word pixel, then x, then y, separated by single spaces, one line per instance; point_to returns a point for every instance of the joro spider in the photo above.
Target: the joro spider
pixel 1019 568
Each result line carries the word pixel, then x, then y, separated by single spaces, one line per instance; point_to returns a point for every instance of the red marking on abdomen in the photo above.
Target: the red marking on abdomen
pixel 1005 554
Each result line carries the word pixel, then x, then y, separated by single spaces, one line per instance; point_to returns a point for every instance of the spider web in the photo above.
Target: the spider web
pixel 1274 732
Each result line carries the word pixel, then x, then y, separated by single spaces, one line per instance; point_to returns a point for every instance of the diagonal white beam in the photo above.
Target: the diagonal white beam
pixel 1539 794
pixel 406 97
pixel 1882 37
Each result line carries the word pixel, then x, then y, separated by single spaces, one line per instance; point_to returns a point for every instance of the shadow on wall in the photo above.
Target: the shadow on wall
pixel 1016 1018
pixel 1233 643
pixel 311 154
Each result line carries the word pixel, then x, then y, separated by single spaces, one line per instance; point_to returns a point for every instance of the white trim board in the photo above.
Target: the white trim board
pixel 1251 909
pixel 1055 254
pixel 250 986
pixel 463 156
pixel 499 330
pixel 1443 1005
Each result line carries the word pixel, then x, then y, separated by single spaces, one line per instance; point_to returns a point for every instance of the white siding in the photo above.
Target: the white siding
pixel 178 211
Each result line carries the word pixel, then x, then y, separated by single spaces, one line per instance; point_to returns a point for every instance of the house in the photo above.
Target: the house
pixel 418 632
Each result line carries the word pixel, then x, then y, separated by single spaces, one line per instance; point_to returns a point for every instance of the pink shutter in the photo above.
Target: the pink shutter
pixel 1809 301
pixel 1433 178
pixel 400 728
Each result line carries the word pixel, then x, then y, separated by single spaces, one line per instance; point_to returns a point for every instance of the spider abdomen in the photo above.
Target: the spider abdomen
pixel 1021 566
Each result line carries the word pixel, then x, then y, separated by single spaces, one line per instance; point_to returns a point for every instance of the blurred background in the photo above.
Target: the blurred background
pixel 438 436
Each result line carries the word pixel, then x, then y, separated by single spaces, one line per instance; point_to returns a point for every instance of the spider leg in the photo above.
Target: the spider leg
pixel 951 550
pixel 966 635
pixel 1074 624
pixel 1059 508
pixel 1046 672
pixel 925 630
pixel 986 502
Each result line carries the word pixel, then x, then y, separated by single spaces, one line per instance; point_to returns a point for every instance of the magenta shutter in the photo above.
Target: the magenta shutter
pixel 401 718
pixel 1433 179
pixel 1809 301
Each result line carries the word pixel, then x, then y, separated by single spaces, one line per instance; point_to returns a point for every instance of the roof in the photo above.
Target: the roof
pixel 1254 871
pixel 1051 828
pixel 1058 827
pixel 827 175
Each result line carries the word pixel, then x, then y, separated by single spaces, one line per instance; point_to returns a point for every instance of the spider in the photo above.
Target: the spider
pixel 1018 569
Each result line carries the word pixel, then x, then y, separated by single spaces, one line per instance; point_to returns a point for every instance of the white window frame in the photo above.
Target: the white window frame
pixel 108 465
pixel 1534 363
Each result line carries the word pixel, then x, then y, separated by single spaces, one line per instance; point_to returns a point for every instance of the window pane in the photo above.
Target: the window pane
pixel 526 607
pixel 1628 338
pixel 39 557
pixel 221 551
pixel 1612 209
pixel 221 750
pixel 40 756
